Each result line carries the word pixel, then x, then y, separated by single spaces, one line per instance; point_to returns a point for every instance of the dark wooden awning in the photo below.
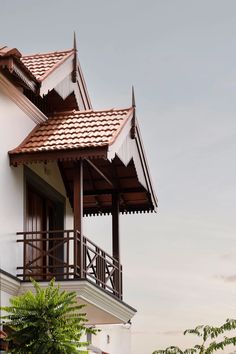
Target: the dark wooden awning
pixel 110 145
pixel 102 179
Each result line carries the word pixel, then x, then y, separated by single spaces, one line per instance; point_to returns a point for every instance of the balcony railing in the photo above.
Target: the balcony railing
pixel 65 255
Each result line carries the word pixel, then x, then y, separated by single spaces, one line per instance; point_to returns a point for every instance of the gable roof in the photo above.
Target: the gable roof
pixel 44 72
pixel 109 141
pixel 43 64
pixel 75 130
pixel 106 141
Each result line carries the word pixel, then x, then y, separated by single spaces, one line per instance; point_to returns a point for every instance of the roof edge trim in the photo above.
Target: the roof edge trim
pixel 49 72
pixel 21 100
pixel 56 155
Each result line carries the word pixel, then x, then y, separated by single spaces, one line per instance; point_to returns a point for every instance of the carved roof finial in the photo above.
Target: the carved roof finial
pixel 75 43
pixel 75 62
pixel 133 98
pixel 133 127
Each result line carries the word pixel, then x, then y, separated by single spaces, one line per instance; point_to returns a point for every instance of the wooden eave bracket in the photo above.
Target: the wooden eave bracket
pixel 100 172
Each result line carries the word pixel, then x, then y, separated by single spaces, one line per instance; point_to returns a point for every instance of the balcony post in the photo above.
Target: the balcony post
pixel 115 226
pixel 78 212
pixel 116 239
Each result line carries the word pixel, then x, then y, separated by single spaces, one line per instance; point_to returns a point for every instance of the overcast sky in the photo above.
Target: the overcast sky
pixel 180 55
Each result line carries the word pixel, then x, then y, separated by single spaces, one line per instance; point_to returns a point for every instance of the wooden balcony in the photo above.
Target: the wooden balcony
pixel 65 255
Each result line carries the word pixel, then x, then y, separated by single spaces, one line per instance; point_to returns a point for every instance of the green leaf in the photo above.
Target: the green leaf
pixel 49 321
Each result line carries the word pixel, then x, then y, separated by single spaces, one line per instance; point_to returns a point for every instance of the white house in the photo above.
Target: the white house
pixel 61 160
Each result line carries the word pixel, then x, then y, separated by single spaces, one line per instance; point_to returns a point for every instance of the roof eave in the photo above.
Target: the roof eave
pixel 146 168
pixel 15 66
pixel 56 155
pixel 116 144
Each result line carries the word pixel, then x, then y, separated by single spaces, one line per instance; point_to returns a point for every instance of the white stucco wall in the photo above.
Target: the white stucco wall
pixel 50 173
pixel 4 299
pixel 113 339
pixel 15 125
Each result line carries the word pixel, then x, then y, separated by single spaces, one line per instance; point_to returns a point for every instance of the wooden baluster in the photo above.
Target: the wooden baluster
pixel 98 267
pixel 103 273
pixel 75 253
pixel 120 282
pixel 67 254
pixel 84 245
pixel 24 257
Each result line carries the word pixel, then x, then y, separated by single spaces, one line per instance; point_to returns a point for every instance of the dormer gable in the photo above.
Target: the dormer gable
pixel 51 80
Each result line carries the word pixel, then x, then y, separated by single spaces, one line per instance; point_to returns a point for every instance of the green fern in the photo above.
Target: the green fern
pixel 47 322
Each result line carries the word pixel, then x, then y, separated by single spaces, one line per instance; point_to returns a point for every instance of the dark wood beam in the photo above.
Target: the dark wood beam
pixel 78 213
pixel 115 173
pixel 99 172
pixel 110 191
pixel 93 186
pixel 115 226
pixel 78 195
pixel 63 176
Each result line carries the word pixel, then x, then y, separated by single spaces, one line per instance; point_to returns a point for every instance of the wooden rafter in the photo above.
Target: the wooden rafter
pixel 114 171
pixel 93 185
pixel 100 172
pixel 116 190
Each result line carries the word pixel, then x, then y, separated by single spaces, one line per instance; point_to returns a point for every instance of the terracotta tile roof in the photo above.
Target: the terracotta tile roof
pixel 6 51
pixel 41 65
pixel 75 130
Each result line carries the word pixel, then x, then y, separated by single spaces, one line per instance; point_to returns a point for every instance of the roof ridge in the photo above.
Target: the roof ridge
pixel 92 110
pixel 42 65
pixel 48 53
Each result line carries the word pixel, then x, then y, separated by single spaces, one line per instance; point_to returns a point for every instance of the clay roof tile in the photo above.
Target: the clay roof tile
pixel 69 130
pixel 42 64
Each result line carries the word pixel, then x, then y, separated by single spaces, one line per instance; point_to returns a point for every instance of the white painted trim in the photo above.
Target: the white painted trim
pixel 79 98
pixel 57 76
pixel 21 100
pixel 9 285
pixel 125 154
pixel 65 87
pixel 105 302
pixel 136 151
pixel 115 146
pixel 94 296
